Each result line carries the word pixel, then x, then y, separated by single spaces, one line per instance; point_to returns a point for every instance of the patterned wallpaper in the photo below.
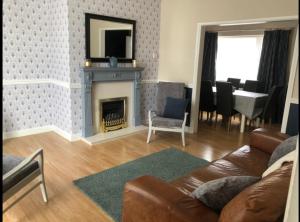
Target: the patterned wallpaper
pixel 26 106
pixel 147 16
pixel 35 47
pixel 46 40
pixel 59 40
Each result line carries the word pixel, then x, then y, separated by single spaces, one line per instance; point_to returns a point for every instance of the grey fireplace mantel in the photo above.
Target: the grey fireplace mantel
pixel 104 74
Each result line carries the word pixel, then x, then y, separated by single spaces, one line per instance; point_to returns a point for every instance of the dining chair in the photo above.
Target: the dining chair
pixel 235 82
pixel 207 99
pixel 251 86
pixel 225 101
pixel 18 172
pixel 270 106
pixel 260 87
pixel 175 121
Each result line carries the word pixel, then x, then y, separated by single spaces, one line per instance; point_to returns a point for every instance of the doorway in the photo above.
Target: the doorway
pixel 236 27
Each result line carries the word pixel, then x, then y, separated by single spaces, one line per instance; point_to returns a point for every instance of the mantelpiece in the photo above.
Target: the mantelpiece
pixel 105 74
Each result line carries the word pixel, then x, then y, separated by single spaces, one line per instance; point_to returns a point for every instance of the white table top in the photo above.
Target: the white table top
pixel 243 93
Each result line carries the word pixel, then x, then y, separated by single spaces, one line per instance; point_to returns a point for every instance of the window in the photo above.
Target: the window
pixel 238 57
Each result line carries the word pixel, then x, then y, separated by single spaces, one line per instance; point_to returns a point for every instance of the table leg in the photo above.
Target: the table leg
pixel 257 122
pixel 243 123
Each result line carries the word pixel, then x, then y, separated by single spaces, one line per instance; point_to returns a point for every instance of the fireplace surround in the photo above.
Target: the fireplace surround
pixel 92 75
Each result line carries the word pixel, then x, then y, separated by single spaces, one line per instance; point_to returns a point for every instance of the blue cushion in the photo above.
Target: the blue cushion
pixel 175 108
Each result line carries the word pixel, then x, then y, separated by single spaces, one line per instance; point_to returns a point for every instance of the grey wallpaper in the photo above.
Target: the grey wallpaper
pixel 45 41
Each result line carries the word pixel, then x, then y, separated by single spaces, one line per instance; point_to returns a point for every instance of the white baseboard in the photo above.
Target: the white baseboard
pixel 66 135
pixel 43 129
pixel 26 132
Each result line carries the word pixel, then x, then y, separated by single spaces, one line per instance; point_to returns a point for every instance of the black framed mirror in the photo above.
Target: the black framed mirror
pixel 109 36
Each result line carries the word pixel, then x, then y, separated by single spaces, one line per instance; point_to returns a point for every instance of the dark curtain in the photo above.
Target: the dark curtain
pixel 273 66
pixel 209 56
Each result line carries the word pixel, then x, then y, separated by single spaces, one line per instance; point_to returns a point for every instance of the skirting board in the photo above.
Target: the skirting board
pixel 68 136
pixel 37 130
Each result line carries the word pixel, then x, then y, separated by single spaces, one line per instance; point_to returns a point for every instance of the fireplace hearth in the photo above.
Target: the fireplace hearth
pixel 113 114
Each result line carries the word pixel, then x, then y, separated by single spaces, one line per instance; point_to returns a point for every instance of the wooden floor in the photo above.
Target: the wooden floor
pixel 66 161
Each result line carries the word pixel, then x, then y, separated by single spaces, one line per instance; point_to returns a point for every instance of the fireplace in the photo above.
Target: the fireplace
pixel 105 82
pixel 112 114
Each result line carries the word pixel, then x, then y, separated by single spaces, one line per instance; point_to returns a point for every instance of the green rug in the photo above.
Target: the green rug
pixel 106 187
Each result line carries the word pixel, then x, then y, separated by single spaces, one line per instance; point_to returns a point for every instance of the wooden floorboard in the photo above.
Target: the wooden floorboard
pixel 67 161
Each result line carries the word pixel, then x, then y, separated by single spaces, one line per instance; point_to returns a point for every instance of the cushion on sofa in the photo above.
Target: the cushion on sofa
pixel 217 193
pixel 175 108
pixel 286 158
pixel 282 149
pixel 261 201
pixel 250 159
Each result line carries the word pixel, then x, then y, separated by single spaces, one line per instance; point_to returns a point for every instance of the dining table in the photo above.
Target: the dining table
pixel 249 104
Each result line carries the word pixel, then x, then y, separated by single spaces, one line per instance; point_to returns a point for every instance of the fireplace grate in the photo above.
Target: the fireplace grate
pixel 113 114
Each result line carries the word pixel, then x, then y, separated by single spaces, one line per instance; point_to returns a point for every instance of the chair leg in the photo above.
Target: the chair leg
pixel 216 119
pixel 154 132
pixel 149 134
pixel 229 122
pixel 182 137
pixel 201 115
pixel 43 188
pixel 263 123
pixel 211 116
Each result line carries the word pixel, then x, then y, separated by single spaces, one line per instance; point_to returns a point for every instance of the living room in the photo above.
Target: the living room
pixel 56 91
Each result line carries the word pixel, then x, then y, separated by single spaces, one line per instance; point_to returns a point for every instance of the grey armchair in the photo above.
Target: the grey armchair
pixel 156 120
pixel 19 172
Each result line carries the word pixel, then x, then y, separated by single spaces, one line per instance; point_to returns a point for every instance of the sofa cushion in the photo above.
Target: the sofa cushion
pixel 290 157
pixel 159 121
pixel 215 170
pixel 283 148
pixel 175 108
pixel 250 159
pixel 262 201
pixel 217 193
pixel 9 162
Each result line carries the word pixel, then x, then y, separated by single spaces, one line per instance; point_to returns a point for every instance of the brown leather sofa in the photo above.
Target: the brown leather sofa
pixel 150 199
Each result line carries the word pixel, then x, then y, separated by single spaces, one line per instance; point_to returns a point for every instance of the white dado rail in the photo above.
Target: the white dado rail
pixel 104 74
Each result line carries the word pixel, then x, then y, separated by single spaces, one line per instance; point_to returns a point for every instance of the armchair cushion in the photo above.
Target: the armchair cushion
pixel 167 89
pixel 175 108
pixel 10 162
pixel 158 121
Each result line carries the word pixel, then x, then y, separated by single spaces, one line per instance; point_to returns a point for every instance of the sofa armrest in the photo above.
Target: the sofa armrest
pixel 266 140
pixel 149 199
